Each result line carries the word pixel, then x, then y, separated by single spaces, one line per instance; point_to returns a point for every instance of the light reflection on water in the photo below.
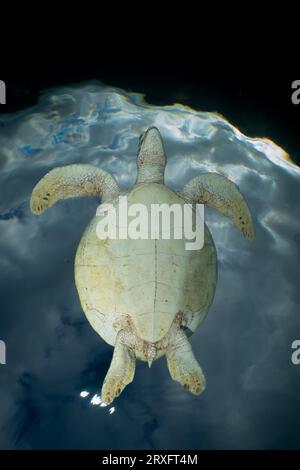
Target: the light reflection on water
pixel 96 400
pixel 252 392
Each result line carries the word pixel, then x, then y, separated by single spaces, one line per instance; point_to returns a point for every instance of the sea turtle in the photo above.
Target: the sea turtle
pixel 145 297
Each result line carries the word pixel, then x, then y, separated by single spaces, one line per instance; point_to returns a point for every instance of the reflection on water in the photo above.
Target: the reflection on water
pixel 253 391
pixel 96 400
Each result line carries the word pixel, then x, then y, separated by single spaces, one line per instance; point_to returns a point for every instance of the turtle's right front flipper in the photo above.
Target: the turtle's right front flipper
pixel 220 193
pixel 72 181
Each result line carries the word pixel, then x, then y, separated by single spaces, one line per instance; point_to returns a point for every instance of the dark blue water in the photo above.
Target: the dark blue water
pixel 53 355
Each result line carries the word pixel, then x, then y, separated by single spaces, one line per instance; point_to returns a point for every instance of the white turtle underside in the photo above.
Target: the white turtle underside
pixel 149 280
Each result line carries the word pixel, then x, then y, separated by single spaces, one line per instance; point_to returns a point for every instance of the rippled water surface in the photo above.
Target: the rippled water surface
pixel 50 386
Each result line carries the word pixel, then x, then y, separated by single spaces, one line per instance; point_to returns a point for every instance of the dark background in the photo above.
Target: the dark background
pixel 259 106
pixel 42 400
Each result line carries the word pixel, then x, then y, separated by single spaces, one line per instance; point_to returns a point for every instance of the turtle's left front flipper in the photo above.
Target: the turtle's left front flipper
pixel 220 193
pixel 72 181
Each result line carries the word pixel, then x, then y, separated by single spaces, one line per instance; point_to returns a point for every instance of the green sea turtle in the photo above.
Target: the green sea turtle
pixel 145 297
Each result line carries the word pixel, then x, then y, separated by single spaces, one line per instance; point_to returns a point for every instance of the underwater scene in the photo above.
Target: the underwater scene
pixel 55 363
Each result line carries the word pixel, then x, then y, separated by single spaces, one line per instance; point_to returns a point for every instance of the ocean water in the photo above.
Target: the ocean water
pixel 50 386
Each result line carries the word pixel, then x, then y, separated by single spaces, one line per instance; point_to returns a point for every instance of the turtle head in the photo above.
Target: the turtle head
pixel 151 158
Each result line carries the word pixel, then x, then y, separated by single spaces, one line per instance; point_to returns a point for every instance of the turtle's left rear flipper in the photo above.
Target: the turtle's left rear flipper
pixel 121 371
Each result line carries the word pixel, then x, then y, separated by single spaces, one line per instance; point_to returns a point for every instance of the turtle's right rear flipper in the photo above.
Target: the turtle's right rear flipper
pixel 183 365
